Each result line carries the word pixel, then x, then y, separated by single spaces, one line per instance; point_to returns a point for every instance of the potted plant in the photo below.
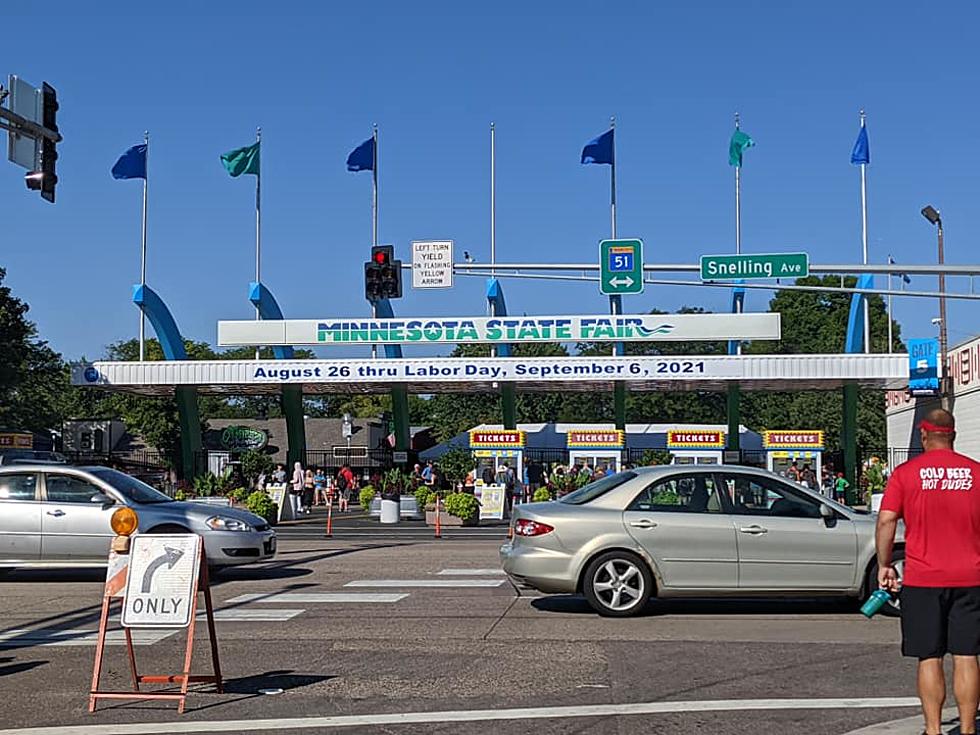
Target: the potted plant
pixel 463 507
pixel 392 483
pixel 874 479
pixel 541 495
pixel 261 504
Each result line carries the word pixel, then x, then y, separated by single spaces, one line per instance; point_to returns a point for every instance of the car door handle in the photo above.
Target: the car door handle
pixel 643 524
pixel 56 513
pixel 754 530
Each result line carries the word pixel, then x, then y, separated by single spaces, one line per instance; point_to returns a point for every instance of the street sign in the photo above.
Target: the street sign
pixel 621 267
pixel 25 100
pixel 772 265
pixel 399 457
pixel 432 264
pixel 162 581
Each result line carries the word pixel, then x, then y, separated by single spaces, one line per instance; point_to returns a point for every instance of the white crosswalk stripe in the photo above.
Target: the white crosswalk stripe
pixel 456 583
pixel 71 637
pixel 318 597
pixel 253 615
pixel 470 573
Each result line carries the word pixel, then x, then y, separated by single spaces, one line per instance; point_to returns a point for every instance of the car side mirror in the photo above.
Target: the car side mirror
pixel 827 513
pixel 102 499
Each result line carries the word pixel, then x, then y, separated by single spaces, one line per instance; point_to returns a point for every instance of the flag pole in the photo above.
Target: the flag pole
pixel 890 261
pixel 864 247
pixel 374 221
pixel 493 200
pixel 146 173
pixel 738 201
pixel 258 227
pixel 612 178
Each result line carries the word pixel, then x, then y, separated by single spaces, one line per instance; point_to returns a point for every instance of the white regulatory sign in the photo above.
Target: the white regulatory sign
pixel 162 581
pixel 432 264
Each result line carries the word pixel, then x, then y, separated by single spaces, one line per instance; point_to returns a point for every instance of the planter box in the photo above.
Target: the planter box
pixel 447 520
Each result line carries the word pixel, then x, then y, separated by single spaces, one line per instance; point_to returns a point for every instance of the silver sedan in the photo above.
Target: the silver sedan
pixel 676 531
pixel 56 515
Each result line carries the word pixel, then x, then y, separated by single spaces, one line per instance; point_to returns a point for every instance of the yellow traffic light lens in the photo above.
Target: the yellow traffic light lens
pixel 124 521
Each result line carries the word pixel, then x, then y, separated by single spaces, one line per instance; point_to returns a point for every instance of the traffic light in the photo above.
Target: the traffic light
pixel 45 179
pixel 382 274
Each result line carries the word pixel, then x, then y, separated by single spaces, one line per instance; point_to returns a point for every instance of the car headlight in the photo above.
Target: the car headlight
pixel 221 523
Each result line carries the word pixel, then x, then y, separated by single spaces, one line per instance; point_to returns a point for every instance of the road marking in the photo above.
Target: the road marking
pixel 469 572
pixel 65 637
pixel 262 615
pixel 455 716
pixel 316 597
pixel 425 583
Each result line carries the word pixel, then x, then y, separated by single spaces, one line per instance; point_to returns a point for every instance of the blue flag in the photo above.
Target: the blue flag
pixel 861 153
pixel 131 164
pixel 362 158
pixel 600 150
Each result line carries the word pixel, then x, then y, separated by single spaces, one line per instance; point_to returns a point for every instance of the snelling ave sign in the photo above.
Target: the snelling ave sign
pixel 736 267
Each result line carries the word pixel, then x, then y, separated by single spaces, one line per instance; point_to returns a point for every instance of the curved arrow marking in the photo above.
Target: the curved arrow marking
pixel 169 557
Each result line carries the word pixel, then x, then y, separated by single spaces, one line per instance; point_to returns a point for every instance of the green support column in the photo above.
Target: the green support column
pixel 399 407
pixel 733 408
pixel 292 409
pixel 508 405
pixel 848 439
pixel 619 404
pixel 190 429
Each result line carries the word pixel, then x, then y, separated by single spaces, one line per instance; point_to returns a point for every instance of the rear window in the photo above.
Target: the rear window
pixel 593 490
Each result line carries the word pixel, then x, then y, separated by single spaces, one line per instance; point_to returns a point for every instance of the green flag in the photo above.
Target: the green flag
pixel 242 160
pixel 740 141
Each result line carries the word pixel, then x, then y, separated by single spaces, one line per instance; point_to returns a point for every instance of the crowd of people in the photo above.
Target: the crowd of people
pixel 314 486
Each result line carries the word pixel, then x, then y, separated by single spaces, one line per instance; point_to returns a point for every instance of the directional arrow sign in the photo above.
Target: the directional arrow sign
pixel 620 267
pixel 169 557
pixel 162 580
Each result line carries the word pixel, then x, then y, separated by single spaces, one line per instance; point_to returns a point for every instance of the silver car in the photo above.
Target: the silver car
pixel 57 515
pixel 676 531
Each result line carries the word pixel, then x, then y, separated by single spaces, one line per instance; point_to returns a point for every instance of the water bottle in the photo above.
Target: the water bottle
pixel 874 603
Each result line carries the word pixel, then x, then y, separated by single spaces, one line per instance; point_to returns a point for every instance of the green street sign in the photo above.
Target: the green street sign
pixel 620 267
pixel 772 265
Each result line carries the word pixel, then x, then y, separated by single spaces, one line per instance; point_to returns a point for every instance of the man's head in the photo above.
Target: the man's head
pixel 938 430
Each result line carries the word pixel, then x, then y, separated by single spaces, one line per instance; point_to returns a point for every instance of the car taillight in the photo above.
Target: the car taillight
pixel 525 527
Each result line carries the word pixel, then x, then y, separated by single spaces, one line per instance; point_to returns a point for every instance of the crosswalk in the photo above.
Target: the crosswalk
pixel 25 638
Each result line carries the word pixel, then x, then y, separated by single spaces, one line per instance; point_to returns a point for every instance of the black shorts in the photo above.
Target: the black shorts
pixel 940 620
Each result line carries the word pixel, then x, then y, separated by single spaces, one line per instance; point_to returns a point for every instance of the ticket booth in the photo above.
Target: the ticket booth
pixel 804 447
pixel 492 448
pixel 596 447
pixel 695 446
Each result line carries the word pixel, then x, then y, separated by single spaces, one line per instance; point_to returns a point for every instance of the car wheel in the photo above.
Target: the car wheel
pixel 617 584
pixel 893 608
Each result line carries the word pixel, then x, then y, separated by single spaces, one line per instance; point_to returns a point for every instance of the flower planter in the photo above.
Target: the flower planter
pixel 447 520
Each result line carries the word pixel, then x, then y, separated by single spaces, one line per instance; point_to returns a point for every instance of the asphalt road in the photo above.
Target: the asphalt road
pixel 470 643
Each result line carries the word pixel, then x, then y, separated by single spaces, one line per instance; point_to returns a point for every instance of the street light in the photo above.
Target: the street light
pixel 932 214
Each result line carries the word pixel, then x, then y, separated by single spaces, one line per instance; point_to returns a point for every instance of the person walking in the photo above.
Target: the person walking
pixel 937 496
pixel 319 487
pixel 309 489
pixel 840 488
pixel 296 488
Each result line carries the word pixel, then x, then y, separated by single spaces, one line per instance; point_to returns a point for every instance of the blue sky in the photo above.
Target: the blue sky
pixel 201 76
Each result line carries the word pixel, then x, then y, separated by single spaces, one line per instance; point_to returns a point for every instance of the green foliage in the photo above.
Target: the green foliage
pixel 366 497
pixel 456 464
pixel 261 504
pixel 541 495
pixel 239 494
pixel 210 484
pixel 873 478
pixel 180 495
pixel 423 496
pixel 654 457
pixel 394 481
pixel 463 505
pixel 255 463
pixel 666 497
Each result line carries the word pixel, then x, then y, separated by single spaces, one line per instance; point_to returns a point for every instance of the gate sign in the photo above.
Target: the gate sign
pixel 923 367
pixel 432 264
pixel 497 439
pixel 695 439
pixel 593 438
pixel 793 439
pixel 241 438
pixel 162 581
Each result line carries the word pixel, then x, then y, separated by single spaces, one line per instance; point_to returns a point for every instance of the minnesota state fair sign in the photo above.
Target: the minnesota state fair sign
pixel 496 330
pixel 595 438
pixel 800 439
pixel 496 439
pixel 695 439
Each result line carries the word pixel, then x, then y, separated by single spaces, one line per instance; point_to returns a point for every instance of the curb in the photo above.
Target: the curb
pixel 910 725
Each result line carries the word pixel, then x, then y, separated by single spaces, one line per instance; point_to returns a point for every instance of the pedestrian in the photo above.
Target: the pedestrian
pixel 343 497
pixel 427 473
pixel 487 475
pixel 840 488
pixel 793 472
pixel 535 475
pixel 319 487
pixel 296 487
pixel 309 489
pixel 279 476
pixel 937 496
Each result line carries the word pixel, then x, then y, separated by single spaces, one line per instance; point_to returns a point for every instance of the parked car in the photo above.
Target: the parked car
pixel 57 515
pixel 675 531
pixel 30 456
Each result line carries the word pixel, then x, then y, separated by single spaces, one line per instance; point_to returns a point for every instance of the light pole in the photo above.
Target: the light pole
pixel 932 214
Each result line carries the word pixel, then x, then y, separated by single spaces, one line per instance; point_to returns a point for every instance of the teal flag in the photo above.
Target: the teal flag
pixel 740 141
pixel 242 160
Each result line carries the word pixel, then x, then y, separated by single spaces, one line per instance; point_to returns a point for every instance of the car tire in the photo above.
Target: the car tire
pixel 617 584
pixel 891 609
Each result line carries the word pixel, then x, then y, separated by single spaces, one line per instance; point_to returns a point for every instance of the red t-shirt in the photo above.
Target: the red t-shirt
pixel 938 496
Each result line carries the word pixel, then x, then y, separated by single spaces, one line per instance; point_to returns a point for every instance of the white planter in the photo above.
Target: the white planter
pixel 390 511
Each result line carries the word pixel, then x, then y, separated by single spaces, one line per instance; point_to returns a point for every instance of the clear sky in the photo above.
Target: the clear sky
pixel 201 76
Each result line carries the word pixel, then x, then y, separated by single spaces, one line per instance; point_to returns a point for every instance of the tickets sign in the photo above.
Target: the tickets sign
pixel 801 439
pixel 500 439
pixel 589 438
pixel 695 439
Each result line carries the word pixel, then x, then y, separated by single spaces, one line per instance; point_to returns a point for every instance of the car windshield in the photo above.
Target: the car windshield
pixel 593 490
pixel 133 489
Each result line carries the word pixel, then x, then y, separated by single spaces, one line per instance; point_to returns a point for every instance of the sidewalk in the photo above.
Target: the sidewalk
pixel 911 725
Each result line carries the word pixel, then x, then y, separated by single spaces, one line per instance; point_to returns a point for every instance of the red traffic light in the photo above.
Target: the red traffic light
pixel 381 257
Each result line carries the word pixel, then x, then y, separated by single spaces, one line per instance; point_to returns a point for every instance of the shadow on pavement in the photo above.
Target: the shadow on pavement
pixel 20 576
pixel 577 605
pixel 8 669
pixel 284 679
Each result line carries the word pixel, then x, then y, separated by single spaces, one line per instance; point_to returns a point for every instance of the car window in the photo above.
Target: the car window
pixel 69 489
pixel 694 493
pixel 760 496
pixel 18 487
pixel 594 489
pixel 132 488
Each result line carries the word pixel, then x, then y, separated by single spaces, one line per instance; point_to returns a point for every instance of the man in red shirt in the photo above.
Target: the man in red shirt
pixel 937 494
